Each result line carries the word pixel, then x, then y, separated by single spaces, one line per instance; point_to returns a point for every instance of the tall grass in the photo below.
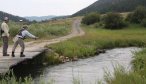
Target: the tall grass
pixel 99 38
pixel 51 58
pixel 139 63
pixel 121 76
pixel 10 78
pixel 136 76
pixel 52 28
pixel 72 49
pixel 44 30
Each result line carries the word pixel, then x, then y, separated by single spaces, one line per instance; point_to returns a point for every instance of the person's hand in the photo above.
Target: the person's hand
pixel 36 38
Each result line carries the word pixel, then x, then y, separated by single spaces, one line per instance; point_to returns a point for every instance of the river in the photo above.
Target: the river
pixel 90 70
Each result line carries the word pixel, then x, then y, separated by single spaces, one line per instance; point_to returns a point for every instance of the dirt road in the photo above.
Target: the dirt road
pixel 38 45
pixel 34 48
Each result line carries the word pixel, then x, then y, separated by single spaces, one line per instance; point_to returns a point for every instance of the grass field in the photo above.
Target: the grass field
pixel 99 38
pixel 45 30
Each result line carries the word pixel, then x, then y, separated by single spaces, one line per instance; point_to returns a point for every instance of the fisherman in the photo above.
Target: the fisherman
pixel 5 35
pixel 18 39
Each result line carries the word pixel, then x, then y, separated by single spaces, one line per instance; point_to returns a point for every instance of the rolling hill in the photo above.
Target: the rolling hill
pixel 103 6
pixel 41 18
pixel 11 17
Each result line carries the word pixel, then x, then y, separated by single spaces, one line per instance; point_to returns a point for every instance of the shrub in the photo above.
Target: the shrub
pixel 138 15
pixel 91 18
pixel 129 17
pixel 114 21
pixel 99 24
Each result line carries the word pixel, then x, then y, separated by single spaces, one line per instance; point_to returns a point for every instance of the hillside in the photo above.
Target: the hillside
pixel 103 6
pixel 61 17
pixel 41 18
pixel 11 17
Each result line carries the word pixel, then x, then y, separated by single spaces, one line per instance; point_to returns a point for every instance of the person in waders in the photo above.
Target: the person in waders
pixel 18 39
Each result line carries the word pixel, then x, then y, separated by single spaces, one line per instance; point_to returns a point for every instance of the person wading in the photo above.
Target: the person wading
pixel 5 35
pixel 18 39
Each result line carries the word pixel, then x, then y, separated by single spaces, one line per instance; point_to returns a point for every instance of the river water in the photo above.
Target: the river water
pixel 90 70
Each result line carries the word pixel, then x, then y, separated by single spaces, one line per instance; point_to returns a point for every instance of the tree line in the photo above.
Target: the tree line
pixel 114 20
pixel 104 6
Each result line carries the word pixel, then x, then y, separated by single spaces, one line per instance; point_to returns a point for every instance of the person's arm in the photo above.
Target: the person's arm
pixel 5 29
pixel 29 34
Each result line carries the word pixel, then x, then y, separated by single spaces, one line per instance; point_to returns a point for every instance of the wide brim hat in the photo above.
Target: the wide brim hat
pixel 25 27
pixel 6 18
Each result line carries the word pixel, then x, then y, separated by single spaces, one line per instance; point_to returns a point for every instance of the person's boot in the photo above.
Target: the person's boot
pixel 13 55
pixel 5 54
pixel 22 55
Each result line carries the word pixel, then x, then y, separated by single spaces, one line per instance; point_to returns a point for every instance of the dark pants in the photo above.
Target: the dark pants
pixel 5 44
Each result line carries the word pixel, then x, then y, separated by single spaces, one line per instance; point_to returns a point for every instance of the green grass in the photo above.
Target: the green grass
pixel 87 45
pixel 121 76
pixel 51 29
pixel 45 30
pixel 99 38
pixel 136 76
pixel 139 63
pixel 10 78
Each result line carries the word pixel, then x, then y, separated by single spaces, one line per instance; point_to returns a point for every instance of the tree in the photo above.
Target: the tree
pixel 138 15
pixel 114 21
pixel 91 18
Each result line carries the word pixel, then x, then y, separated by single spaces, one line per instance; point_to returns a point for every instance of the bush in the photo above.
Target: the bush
pixel 114 21
pixel 91 18
pixel 129 17
pixel 143 23
pixel 98 25
pixel 138 15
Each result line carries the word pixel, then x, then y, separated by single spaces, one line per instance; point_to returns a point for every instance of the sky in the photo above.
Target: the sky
pixel 43 7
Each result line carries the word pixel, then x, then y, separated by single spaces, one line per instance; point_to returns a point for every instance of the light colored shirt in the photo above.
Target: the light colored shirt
pixel 5 28
pixel 26 33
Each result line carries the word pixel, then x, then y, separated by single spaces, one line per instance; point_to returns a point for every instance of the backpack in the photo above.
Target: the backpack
pixel 1 32
pixel 20 33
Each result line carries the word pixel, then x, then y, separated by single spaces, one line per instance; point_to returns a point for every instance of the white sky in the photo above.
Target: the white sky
pixel 43 7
